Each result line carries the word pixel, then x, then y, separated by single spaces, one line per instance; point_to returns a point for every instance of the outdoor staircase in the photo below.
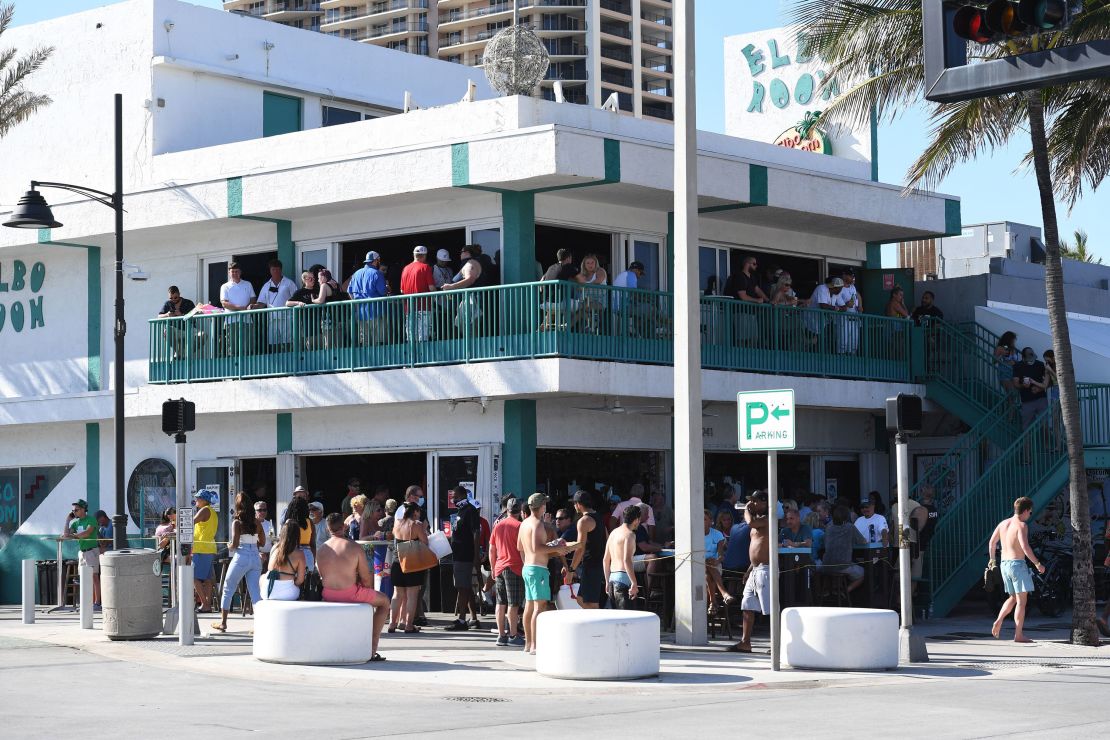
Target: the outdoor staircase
pixel 994 462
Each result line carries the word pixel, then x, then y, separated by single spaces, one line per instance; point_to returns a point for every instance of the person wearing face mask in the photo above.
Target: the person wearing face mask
pixel 1029 380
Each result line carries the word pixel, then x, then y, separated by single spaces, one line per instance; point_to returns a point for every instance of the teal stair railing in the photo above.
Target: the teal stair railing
pixel 530 320
pixel 1035 465
pixel 957 365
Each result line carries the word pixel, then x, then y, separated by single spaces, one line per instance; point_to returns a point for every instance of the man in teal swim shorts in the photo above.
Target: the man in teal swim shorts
pixel 531 541
pixel 1014 537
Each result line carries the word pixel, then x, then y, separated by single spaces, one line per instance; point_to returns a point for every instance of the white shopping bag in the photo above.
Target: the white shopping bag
pixel 565 598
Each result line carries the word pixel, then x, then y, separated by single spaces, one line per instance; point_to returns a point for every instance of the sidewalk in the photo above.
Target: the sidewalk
pixel 434 659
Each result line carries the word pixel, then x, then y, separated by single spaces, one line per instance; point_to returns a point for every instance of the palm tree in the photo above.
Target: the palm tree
pixel 16 102
pixel 876 46
pixel 1079 252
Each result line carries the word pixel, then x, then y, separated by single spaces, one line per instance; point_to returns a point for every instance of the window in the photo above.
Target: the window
pixel 281 114
pixel 337 116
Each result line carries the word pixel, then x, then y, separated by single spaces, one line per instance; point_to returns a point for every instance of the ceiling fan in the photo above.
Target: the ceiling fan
pixel 616 407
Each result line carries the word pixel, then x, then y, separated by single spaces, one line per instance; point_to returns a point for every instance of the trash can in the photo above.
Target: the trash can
pixel 131 586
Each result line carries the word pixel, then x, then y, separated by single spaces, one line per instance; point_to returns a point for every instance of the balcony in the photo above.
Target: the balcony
pixel 661 88
pixel 615 77
pixel 616 29
pixel 465 37
pixel 656 40
pixel 513 322
pixel 564 48
pixel 618 53
pixel 396 28
pixel 656 63
pixel 659 19
pixel 617 6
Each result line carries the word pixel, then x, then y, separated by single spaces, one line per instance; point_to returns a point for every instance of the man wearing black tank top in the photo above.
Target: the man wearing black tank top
pixel 588 563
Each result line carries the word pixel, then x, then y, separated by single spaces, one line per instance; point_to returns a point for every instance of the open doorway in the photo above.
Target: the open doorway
pixel 396 252
pixel 255 269
pixel 326 476
pixel 550 239
pixel 259 478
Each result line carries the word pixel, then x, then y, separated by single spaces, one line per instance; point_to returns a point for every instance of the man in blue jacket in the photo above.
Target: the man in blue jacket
pixel 369 282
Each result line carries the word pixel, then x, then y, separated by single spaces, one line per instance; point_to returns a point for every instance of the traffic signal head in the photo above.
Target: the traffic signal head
pixel 970 23
pixel 1044 15
pixel 1002 17
pixel 999 20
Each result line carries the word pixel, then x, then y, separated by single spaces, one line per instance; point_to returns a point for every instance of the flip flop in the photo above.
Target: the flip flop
pixel 377 658
pixel 391 630
pixel 219 628
pixel 413 631
pixel 739 648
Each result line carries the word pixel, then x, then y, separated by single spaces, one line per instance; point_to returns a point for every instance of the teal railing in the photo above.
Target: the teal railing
pixel 958 364
pixel 957 471
pixel 986 339
pixel 1035 465
pixel 529 320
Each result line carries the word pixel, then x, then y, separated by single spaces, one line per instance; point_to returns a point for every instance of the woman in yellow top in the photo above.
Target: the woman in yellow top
pixel 203 555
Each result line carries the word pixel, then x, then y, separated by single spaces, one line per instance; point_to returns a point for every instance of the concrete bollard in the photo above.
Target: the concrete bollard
pixel 86 576
pixel 29 574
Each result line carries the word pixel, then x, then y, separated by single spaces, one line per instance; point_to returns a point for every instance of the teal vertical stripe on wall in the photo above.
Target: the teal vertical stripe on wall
pixel 234 196
pixel 95 370
pixel 460 165
pixel 284 433
pixel 519 451
pixel 757 185
pixel 953 219
pixel 518 252
pixel 92 465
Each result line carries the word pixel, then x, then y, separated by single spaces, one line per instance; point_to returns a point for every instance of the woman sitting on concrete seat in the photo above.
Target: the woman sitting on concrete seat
pixel 287 566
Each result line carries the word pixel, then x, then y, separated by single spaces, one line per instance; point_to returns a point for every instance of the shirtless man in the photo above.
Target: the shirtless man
pixel 757 589
pixel 345 573
pixel 1017 579
pixel 532 543
pixel 619 549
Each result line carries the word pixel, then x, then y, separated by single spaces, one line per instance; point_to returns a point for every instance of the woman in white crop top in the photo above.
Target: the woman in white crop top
pixel 246 561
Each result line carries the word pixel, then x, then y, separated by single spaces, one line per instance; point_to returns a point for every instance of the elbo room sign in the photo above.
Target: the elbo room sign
pixel 774 93
pixel 20 298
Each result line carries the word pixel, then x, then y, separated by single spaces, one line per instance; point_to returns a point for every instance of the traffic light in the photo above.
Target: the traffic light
pixel 179 416
pixel 997 21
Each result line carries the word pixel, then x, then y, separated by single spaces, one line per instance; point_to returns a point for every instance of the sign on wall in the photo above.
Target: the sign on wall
pixel 774 93
pixel 20 298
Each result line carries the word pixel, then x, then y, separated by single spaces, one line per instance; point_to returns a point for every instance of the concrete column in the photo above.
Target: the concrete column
pixel 518 242
pixel 519 450
pixel 593 58
pixel 637 67
pixel 28 591
pixel 690 616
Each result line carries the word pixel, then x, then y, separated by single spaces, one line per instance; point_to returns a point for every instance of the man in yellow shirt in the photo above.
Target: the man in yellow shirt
pixel 203 555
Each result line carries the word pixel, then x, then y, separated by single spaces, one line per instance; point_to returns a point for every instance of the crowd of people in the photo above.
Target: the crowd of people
pixel 1030 383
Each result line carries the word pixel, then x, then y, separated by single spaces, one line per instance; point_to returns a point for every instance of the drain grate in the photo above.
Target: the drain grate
pixel 477 699
pixel 1016 664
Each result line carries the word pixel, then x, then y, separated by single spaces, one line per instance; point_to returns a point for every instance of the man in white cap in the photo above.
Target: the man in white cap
pixel 417 277
pixel 368 282
pixel 442 272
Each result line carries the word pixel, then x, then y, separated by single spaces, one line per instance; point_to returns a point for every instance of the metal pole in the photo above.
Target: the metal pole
pixel 690 596
pixel 773 550
pixel 184 573
pixel 28 592
pixel 61 582
pixel 119 520
pixel 911 649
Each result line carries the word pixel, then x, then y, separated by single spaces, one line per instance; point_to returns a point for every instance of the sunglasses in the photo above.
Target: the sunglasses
pixel 561 518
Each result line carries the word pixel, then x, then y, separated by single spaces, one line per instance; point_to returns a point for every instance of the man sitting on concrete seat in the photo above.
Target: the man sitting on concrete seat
pixel 343 569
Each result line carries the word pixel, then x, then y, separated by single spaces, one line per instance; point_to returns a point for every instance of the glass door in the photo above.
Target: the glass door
pixel 220 476
pixel 448 470
pixel 647 250
pixel 713 269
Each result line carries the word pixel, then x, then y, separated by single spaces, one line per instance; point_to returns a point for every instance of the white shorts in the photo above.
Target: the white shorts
pixel 757 591
pixel 90 558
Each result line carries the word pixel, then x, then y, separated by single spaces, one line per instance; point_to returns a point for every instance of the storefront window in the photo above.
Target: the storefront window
pixel 21 492
pixel 749 471
pixel 562 472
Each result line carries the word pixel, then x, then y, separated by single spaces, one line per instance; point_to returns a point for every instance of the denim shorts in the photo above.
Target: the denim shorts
pixel 202 565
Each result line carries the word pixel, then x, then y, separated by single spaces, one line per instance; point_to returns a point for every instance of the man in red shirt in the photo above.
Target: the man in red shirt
pixel 508 566
pixel 417 277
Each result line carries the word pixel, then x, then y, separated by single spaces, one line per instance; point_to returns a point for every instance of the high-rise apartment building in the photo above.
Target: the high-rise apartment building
pixel 597 47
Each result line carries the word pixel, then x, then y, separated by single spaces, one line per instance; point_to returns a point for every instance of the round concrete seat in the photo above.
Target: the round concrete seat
pixel 829 638
pixel 598 644
pixel 312 632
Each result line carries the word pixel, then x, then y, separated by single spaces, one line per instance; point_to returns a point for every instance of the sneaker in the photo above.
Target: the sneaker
pixel 475 624
pixel 517 641
pixel 457 626
pixel 97 607
pixel 503 641
pixel 420 622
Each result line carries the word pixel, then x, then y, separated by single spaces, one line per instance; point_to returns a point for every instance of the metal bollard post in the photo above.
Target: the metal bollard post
pixel 86 576
pixel 186 618
pixel 29 591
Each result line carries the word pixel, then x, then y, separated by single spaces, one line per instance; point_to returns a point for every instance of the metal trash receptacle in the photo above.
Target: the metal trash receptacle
pixel 131 586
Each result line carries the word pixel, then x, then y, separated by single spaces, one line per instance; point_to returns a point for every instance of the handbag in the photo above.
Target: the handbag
pixel 415 556
pixel 312 589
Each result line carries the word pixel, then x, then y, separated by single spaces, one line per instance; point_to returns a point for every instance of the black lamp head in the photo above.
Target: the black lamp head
pixel 32 212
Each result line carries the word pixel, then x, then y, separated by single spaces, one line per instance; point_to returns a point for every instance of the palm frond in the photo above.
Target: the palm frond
pixel 16 102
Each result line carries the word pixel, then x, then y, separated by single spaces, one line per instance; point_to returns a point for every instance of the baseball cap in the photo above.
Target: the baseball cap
pixel 636 265
pixel 371 256
pixel 82 503
pixel 421 249
pixel 300 489
pixel 866 501
pixel 443 255
pixel 536 499
pixel 837 283
pixel 316 505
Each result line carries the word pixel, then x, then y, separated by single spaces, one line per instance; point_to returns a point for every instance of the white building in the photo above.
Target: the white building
pixel 597 47
pixel 515 387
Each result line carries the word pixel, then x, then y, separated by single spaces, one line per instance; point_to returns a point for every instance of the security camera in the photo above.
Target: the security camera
pixel 139 275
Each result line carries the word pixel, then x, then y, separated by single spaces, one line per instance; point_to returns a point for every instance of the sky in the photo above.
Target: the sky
pixel 991 188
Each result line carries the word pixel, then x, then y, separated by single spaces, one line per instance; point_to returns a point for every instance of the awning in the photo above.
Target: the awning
pixel 1090 336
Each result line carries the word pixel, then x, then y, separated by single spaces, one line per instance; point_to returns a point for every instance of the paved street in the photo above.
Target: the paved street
pixel 459 686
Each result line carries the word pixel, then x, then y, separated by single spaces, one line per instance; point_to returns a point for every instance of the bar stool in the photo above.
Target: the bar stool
pixel 72 583
pixel 832 587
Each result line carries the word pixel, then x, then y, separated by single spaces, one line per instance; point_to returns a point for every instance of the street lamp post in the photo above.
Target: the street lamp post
pixel 32 212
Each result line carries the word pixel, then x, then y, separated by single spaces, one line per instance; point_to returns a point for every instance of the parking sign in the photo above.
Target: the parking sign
pixel 765 420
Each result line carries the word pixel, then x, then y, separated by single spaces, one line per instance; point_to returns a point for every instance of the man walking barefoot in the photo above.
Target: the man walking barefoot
pixel 535 552
pixel 1017 579
pixel 757 588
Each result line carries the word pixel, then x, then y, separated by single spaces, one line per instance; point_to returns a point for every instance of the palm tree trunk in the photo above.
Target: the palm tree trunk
pixel 1084 630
